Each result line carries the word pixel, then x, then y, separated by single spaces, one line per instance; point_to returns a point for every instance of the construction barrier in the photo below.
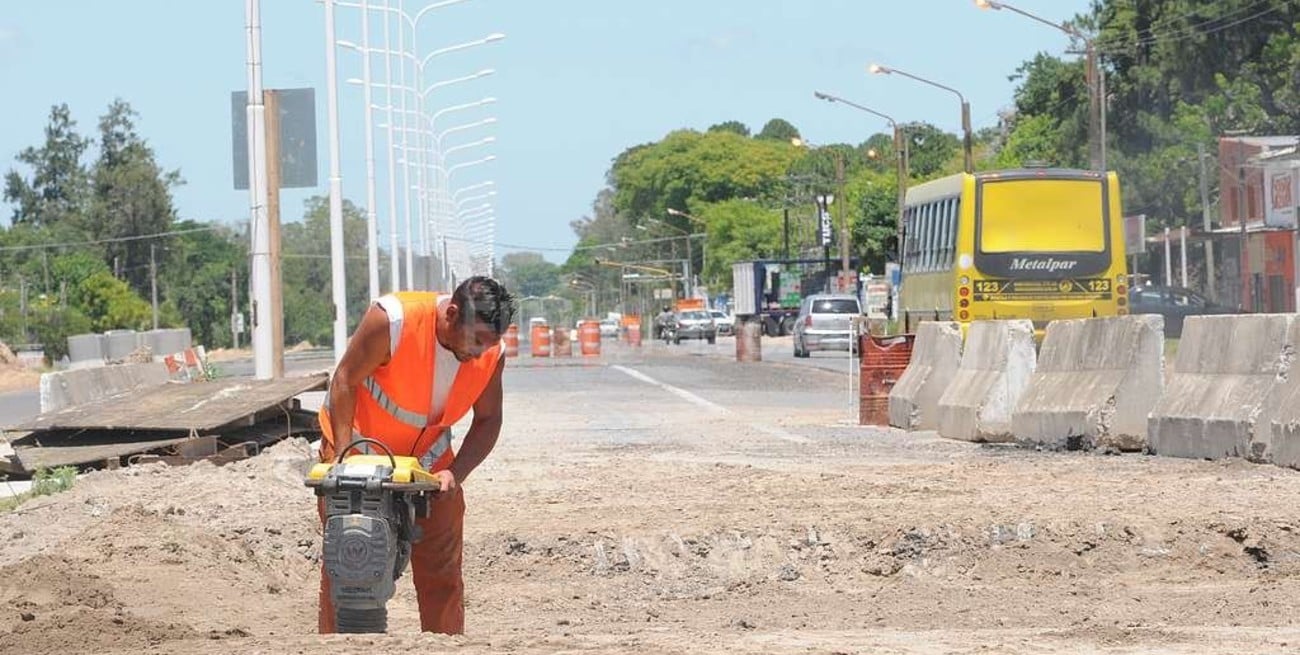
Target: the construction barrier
pixel 914 400
pixel 1096 381
pixel 589 338
pixel 996 364
pixel 539 341
pixel 883 361
pixel 79 386
pixel 510 341
pixel 633 333
pixel 561 346
pixel 749 339
pixel 1228 383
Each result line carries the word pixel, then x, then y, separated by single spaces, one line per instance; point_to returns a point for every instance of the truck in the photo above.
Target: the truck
pixel 772 289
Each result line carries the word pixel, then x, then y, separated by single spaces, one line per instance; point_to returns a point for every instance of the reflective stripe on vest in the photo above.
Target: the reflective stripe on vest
pixel 436 451
pixel 412 419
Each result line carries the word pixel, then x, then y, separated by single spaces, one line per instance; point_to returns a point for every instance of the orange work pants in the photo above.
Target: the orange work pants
pixel 435 568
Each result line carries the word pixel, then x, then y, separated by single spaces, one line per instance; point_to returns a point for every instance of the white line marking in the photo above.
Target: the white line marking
pixel 711 406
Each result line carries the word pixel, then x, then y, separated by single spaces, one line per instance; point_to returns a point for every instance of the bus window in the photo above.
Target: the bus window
pixel 1042 216
pixel 929 238
pixel 953 218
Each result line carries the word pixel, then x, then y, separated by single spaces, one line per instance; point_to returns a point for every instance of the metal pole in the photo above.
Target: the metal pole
pixel 900 153
pixel 153 281
pixel 1094 108
pixel 372 217
pixel 690 279
pixel 844 221
pixel 337 280
pixel 967 140
pixel 1211 283
pixel 1182 252
pixel 1101 82
pixel 395 269
pixel 1169 263
pixel 406 154
pixel 259 249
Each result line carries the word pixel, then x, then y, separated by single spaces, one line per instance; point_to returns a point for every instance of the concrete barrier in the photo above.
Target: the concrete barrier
pixel 74 387
pixel 85 350
pixel 914 400
pixel 161 342
pixel 119 344
pixel 1097 380
pixel 1227 385
pixel 996 365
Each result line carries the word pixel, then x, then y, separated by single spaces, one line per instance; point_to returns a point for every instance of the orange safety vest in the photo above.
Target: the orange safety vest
pixel 394 404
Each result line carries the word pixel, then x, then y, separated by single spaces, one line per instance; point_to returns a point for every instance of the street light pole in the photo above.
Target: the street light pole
pixel 260 264
pixel 372 217
pixel 1096 79
pixel 968 140
pixel 337 280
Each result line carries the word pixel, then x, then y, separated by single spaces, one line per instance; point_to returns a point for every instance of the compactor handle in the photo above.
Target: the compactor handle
pixel 338 459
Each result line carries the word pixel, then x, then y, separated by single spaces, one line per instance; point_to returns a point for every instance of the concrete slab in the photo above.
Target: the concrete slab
pixel 63 389
pixel 1229 381
pixel 936 354
pixel 1096 381
pixel 996 365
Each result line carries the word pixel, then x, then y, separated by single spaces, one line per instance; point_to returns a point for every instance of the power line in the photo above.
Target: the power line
pixel 70 244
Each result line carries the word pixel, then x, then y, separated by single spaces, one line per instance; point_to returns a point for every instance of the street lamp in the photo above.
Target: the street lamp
pixel 1096 79
pixel 456 80
pixel 704 247
pixel 967 140
pixel 901 148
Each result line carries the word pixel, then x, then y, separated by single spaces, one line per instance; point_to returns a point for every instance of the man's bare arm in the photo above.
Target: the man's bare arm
pixel 484 430
pixel 367 351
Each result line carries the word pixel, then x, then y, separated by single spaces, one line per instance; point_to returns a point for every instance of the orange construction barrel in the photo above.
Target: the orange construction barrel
pixel 510 341
pixel 589 338
pixel 540 341
pixel 561 346
pixel 749 339
pixel 884 359
pixel 634 335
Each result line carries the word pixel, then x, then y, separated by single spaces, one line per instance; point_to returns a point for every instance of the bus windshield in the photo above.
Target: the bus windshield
pixel 1042 215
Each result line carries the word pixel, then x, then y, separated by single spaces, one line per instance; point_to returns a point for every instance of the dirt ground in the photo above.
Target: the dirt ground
pixel 671 531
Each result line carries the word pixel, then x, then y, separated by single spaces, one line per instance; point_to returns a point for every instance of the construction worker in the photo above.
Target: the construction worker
pixel 417 364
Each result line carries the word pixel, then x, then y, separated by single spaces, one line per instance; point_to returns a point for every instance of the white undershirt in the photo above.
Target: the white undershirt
pixel 445 365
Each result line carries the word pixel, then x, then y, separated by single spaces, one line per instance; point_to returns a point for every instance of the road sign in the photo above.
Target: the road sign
pixel 297 137
pixel 1135 234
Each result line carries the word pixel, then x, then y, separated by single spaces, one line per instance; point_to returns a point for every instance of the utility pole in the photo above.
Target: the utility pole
pixel 1211 284
pixel 153 281
pixel 272 103
pixel 1094 108
pixel 785 231
pixel 22 304
pixel 844 221
pixel 234 306
pixel 259 251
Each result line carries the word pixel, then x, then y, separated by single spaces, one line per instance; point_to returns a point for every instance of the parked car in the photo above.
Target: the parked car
pixel 1173 303
pixel 609 328
pixel 691 324
pixel 825 322
pixel 726 323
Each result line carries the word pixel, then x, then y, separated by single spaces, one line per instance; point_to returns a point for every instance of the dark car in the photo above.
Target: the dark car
pixel 1173 303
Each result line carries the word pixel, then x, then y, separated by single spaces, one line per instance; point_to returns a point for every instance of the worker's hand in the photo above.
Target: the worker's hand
pixel 446 481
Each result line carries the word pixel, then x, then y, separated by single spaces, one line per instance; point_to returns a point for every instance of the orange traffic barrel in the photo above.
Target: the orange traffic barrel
pixel 510 341
pixel 540 341
pixel 884 359
pixel 589 338
pixel 561 346
pixel 634 335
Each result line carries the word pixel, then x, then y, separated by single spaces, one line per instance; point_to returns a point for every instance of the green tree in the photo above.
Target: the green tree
pixel 528 274
pixel 58 189
pixel 778 129
pixel 196 281
pixel 132 195
pixel 111 304
pixel 739 230
pixel 307 299
pixel 735 127
pixel 51 324
pixel 931 151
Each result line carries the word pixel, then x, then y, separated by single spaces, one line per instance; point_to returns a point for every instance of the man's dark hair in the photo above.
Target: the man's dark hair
pixel 484 299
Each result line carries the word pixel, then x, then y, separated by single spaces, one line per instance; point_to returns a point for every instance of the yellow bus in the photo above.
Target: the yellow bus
pixel 1039 244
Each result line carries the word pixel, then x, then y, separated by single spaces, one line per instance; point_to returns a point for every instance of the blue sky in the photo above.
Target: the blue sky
pixel 577 81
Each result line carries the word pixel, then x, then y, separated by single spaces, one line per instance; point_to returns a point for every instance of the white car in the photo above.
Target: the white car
pixel 609 328
pixel 726 323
